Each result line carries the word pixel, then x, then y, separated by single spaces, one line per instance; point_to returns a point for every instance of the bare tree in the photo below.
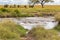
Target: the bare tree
pixel 42 2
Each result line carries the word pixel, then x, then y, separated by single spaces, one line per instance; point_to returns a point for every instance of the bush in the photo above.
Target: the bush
pixel 4 10
pixel 39 33
pixel 9 30
pixel 16 13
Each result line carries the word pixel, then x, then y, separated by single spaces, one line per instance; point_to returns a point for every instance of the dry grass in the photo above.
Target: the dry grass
pixel 48 9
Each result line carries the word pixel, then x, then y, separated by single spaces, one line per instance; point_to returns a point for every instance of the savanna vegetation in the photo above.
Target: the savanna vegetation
pixel 57 19
pixel 40 33
pixel 10 30
pixel 29 12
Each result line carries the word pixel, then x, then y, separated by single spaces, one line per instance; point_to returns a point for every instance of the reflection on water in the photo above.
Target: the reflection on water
pixel 30 22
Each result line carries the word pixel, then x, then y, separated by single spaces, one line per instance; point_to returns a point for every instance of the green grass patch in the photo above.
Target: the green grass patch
pixel 11 31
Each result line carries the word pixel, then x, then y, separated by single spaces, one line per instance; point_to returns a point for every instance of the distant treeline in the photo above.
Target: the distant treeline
pixel 18 6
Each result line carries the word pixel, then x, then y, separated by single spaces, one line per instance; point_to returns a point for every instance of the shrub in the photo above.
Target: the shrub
pixel 39 33
pixel 4 10
pixel 16 13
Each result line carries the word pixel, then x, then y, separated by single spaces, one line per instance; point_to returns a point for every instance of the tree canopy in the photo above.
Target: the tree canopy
pixel 42 2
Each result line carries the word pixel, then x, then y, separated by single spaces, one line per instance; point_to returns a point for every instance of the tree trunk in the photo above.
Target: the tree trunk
pixel 33 4
pixel 42 5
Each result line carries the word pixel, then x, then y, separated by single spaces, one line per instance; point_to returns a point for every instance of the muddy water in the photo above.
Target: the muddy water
pixel 30 22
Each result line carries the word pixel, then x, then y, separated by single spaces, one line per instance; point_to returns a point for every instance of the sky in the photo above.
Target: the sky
pixel 25 2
